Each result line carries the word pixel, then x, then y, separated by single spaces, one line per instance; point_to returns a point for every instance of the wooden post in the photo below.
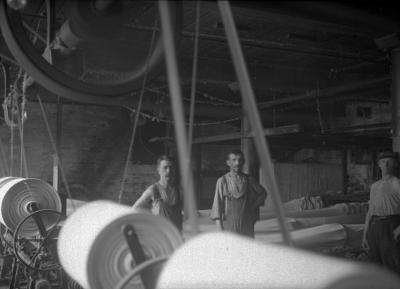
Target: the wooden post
pixel 251 165
pixel 395 56
pixel 58 144
pixel 344 171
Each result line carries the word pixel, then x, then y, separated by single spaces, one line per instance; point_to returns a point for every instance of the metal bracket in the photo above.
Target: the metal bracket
pixel 138 255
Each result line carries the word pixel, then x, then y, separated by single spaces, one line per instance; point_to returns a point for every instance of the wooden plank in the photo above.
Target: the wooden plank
pixel 288 129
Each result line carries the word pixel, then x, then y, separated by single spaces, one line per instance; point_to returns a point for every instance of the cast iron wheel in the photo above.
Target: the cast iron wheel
pixel 138 269
pixel 98 89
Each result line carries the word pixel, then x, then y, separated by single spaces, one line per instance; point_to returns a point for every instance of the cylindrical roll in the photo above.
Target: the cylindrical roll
pixel 16 194
pixel 225 261
pixel 93 250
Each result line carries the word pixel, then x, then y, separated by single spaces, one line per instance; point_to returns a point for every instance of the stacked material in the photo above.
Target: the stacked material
pixel 18 194
pixel 337 225
pixel 224 260
pixel 93 250
pixel 335 210
pixel 314 238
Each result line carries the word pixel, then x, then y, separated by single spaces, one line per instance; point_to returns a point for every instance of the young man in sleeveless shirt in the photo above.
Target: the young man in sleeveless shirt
pixel 163 197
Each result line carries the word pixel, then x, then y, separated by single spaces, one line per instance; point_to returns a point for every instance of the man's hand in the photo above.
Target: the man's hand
pixel 396 233
pixel 219 225
pixel 364 244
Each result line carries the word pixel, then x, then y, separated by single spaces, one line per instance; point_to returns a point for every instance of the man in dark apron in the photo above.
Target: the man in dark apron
pixel 237 199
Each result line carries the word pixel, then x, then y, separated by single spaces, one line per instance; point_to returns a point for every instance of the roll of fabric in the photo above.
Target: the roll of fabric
pixel 226 261
pixel 16 194
pixel 92 248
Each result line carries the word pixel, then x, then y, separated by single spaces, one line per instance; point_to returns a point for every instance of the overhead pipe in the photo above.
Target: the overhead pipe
pixel 327 92
pixel 342 13
pixel 266 44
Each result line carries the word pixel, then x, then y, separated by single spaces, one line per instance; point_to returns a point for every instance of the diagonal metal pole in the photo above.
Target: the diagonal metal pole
pixel 252 113
pixel 178 114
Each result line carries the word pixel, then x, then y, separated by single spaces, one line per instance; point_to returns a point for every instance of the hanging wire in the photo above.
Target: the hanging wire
pixel 5 78
pixel 169 121
pixel 137 114
pixel 4 159
pixel 321 126
pixel 194 77
pixel 12 147
pixel 53 144
pixel 274 111
pixel 216 101
pixel 23 162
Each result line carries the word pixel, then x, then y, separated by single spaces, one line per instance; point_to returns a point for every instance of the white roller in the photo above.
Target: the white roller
pixel 92 248
pixel 226 261
pixel 15 196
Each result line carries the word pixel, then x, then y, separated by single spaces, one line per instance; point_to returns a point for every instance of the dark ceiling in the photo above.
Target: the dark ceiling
pixel 303 58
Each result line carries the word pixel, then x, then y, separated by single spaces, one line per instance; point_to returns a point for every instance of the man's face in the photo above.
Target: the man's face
pixel 235 162
pixel 387 165
pixel 166 170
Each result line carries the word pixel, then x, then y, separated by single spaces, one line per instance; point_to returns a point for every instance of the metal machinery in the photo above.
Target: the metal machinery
pixel 111 251
pixel 81 50
pixel 30 222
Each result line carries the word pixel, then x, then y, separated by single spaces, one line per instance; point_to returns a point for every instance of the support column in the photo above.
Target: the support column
pixel 395 56
pixel 344 171
pixel 58 144
pixel 251 166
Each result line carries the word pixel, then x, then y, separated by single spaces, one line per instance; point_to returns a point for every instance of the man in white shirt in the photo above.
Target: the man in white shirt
pixel 382 223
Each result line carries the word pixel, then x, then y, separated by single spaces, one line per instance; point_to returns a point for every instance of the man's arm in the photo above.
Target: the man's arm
pixel 217 210
pixel 144 202
pixel 259 192
pixel 396 233
pixel 364 242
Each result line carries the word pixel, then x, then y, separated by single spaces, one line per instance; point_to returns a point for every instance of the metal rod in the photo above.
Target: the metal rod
pixel 178 114
pixel 194 77
pixel 138 255
pixel 32 209
pixel 251 109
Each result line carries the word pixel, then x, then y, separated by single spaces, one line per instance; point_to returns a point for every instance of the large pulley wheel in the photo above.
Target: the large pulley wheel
pixel 111 56
pixel 38 252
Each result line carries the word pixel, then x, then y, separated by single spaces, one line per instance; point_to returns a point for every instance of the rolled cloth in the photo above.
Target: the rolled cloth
pixel 16 194
pixel 224 261
pixel 93 250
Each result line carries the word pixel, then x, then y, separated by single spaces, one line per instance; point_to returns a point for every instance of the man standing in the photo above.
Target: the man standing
pixel 237 198
pixel 382 222
pixel 163 197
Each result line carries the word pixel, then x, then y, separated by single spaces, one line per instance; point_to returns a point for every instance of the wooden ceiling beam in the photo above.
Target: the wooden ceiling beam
pixel 324 16
pixel 289 129
pixel 327 92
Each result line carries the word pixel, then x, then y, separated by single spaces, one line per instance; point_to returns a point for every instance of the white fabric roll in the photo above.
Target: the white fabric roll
pixel 15 196
pixel 93 250
pixel 226 261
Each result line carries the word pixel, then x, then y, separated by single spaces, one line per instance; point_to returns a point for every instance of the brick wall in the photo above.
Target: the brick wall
pixel 94 149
